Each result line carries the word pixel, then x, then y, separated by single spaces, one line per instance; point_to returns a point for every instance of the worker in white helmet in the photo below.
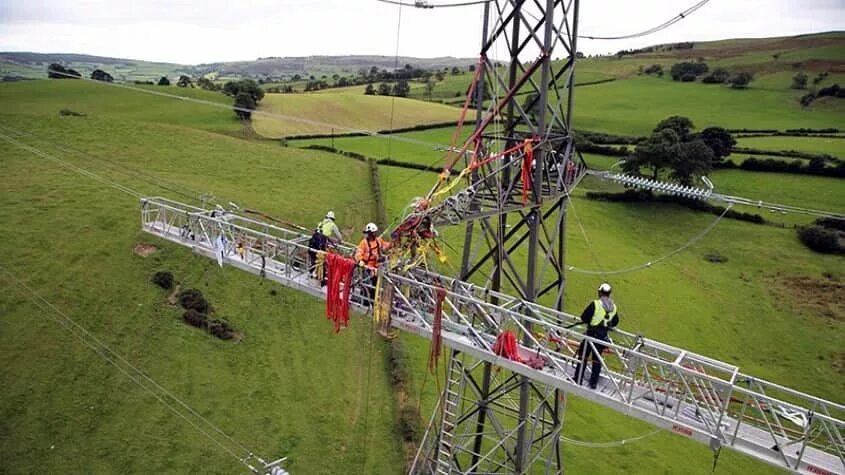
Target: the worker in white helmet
pixel 368 255
pixel 326 232
pixel 600 316
pixel 329 229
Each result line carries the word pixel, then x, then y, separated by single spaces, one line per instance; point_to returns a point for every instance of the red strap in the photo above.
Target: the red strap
pixel 526 169
pixel 506 346
pixel 337 299
pixel 436 335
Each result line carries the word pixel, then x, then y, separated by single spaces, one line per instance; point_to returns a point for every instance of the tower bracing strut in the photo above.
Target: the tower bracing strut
pixel 691 395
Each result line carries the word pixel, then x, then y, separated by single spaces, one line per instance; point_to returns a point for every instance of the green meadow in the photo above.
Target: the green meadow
pixel 291 386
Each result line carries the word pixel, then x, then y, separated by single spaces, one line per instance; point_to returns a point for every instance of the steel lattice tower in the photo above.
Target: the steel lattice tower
pixel 488 421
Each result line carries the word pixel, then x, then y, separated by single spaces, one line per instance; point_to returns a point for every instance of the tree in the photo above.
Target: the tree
pixel 100 75
pixel 207 84
pixel 471 68
pixel 685 70
pixel 164 81
pixel 681 126
pixel 184 81
pixel 439 76
pixel 57 71
pixel 233 88
pixel 401 88
pixel 656 153
pixel 384 89
pixel 244 105
pixel 370 90
pixel 429 87
pixel 741 80
pixel 694 159
pixel 799 81
pixel 718 76
pixel 455 71
pixel 719 140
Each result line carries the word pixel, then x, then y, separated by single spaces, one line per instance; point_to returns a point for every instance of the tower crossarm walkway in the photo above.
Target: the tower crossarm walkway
pixel 674 389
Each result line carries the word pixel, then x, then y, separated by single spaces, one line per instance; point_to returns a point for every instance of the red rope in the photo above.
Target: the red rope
pixel 526 169
pixel 436 330
pixel 337 299
pixel 506 346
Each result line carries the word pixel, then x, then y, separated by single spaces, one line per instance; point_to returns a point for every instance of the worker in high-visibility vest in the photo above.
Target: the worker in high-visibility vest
pixel 600 316
pixel 329 229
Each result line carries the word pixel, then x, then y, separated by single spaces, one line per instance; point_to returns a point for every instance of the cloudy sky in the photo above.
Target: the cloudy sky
pixel 191 31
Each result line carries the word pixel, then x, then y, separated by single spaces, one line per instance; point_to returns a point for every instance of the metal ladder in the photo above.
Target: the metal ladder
pixel 451 405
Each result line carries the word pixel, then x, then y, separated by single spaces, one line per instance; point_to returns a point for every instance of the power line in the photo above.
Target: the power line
pixel 291 118
pixel 132 372
pixel 127 170
pixel 71 166
pixel 654 29
pixel 430 6
pixel 652 262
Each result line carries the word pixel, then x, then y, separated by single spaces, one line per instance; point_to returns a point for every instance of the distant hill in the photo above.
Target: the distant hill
pixel 811 52
pixel 34 65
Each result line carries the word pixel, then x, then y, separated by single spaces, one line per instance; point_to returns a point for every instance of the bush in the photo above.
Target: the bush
pixel 68 112
pixel 409 423
pixel 718 76
pixel 221 329
pixel 820 239
pixel 195 319
pixel 830 223
pixel 163 280
pixel 192 299
pixel 715 257
pixel 683 70
pixel 741 80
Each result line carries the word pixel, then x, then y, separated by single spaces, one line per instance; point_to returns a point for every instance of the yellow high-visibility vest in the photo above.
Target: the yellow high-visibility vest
pixel 602 317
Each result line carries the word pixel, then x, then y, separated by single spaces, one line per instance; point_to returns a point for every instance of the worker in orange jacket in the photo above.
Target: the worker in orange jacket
pixel 371 248
pixel 369 253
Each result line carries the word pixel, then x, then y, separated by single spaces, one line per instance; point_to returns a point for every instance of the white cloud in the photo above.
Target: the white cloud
pixel 217 30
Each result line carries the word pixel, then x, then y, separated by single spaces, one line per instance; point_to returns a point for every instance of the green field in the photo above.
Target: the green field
pixel 292 387
pixel 820 145
pixel 345 111
pixel 64 409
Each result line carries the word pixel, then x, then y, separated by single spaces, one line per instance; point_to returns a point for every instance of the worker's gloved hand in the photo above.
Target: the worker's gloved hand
pixel 361 264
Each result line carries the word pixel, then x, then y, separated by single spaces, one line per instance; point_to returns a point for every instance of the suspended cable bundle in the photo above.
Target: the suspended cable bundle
pixel 436 330
pixel 339 288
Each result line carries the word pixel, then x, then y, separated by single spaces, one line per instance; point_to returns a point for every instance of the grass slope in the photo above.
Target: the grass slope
pixel 355 111
pixel 291 387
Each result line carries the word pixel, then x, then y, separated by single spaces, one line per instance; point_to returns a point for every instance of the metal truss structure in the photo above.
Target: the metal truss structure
pixel 523 165
pixel 680 391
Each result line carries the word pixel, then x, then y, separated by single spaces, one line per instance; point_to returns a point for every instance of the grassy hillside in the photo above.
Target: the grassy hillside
pixel 355 111
pixel 291 387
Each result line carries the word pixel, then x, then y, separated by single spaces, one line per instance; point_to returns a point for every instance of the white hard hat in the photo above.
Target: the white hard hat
pixel 371 228
pixel 330 215
pixel 605 288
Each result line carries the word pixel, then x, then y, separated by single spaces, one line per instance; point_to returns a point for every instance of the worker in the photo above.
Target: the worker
pixel 320 240
pixel 368 255
pixel 371 248
pixel 329 229
pixel 600 316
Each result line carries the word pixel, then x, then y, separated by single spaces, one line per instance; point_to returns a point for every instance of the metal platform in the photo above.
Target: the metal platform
pixel 689 394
